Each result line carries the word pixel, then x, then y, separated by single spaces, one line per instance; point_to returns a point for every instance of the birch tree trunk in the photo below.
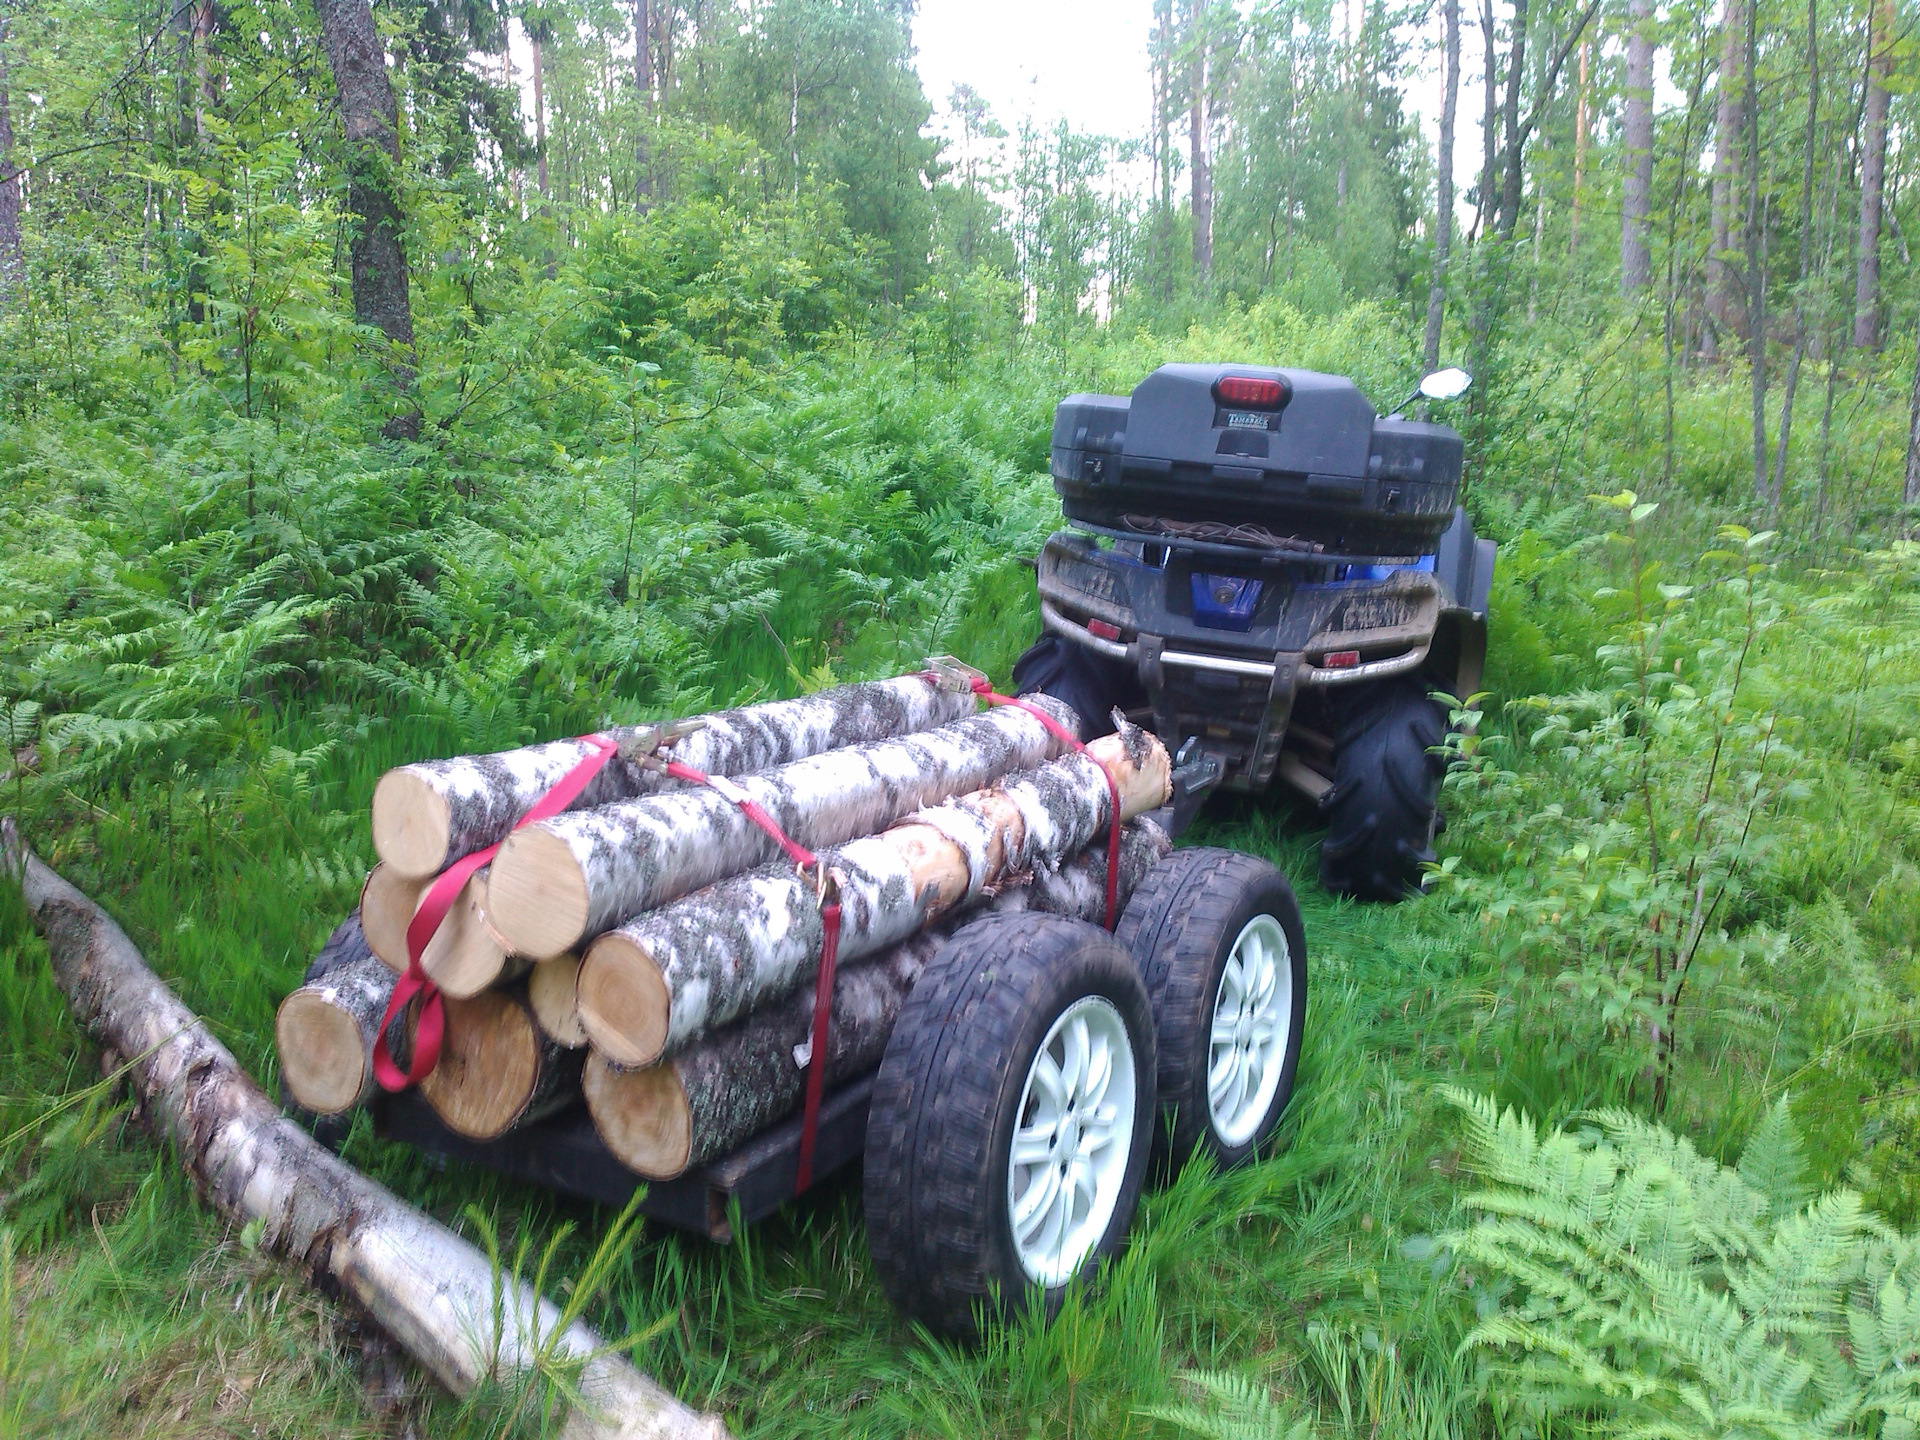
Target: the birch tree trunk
pixel 324 1033
pixel 387 903
pixel 658 984
pixel 371 123
pixel 1636 257
pixel 438 1296
pixel 563 881
pixel 1873 171
pixel 497 1070
pixel 12 258
pixel 466 954
pixel 1580 132
pixel 429 814
pixel 553 993
pixel 1726 302
pixel 1200 164
pixel 1443 208
pixel 702 1103
pixel 1756 263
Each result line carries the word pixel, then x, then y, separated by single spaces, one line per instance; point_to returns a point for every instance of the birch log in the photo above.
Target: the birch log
pixel 466 954
pixel 497 1071
pixel 679 971
pixel 324 1032
pixel 553 993
pixel 387 903
pixel 561 882
pixel 710 1098
pixel 429 814
pixel 438 1296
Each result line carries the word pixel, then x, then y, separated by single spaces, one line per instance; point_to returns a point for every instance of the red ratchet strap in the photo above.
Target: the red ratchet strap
pixel 828 898
pixel 431 1028
pixel 1060 732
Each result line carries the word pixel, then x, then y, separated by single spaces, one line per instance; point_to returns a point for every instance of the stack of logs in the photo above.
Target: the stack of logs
pixel 650 948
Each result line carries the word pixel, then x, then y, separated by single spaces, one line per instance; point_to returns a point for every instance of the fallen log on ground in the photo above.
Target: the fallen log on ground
pixel 660 1120
pixel 497 1069
pixel 559 883
pixel 429 814
pixel 677 972
pixel 435 1294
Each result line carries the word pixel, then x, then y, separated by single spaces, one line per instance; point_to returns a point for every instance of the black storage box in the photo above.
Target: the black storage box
pixel 1298 453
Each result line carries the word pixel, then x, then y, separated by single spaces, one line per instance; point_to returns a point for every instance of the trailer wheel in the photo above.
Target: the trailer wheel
pixel 1008 1136
pixel 1381 811
pixel 1218 938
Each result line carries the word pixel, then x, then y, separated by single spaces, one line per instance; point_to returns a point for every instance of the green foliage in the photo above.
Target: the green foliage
pixel 1647 1290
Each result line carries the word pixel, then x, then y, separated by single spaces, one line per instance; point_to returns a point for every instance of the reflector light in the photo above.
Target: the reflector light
pixel 1103 629
pixel 1250 390
pixel 1340 660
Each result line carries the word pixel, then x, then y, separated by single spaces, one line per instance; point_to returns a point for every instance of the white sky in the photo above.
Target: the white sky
pixel 1087 60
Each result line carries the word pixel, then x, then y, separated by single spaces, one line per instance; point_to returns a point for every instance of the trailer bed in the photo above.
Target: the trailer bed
pixel 564 1153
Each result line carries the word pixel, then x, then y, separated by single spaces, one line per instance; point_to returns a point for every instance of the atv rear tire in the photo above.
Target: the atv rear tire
pixel 1381 811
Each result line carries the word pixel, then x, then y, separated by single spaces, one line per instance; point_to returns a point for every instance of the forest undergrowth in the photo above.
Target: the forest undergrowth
pixel 1680 876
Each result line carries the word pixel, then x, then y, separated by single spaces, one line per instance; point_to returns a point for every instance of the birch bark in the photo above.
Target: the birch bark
pixel 563 881
pixel 658 984
pixel 661 1120
pixel 429 814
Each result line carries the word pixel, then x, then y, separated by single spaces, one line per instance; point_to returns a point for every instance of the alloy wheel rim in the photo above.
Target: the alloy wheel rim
pixel 1072 1139
pixel 1252 1018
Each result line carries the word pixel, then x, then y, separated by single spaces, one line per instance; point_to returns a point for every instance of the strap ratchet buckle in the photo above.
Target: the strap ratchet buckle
pixel 955 675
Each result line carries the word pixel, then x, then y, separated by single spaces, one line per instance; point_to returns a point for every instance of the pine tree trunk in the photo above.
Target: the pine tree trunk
pixel 1636 257
pixel 659 983
pixel 1516 139
pixel 1200 165
pixel 1911 492
pixel 1726 300
pixel 540 111
pixel 1443 208
pixel 1802 328
pixel 12 258
pixel 497 1070
pixel 324 1034
pixel 368 116
pixel 438 1296
pixel 705 1101
pixel 429 814
pixel 563 881
pixel 1756 264
pixel 1873 171
pixel 643 88
pixel 1581 126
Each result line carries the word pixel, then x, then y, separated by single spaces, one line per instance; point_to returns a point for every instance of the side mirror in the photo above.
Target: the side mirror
pixel 1448 384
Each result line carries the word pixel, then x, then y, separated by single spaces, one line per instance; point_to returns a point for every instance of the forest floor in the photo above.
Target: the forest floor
pixel 1664 727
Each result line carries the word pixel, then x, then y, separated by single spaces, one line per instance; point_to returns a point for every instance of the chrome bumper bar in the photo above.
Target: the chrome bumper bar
pixel 1313 675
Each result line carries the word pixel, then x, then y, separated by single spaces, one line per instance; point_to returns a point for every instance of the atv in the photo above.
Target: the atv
pixel 1276 580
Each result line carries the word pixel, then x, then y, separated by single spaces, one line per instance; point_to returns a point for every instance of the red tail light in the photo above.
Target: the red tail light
pixel 1340 660
pixel 1251 391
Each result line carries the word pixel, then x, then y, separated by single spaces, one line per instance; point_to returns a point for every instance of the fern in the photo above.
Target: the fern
pixel 1662 1294
pixel 1240 1409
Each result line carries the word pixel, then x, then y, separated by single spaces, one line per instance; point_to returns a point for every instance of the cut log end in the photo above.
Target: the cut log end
pixel 489 1061
pixel 537 895
pixel 387 903
pixel 412 825
pixel 465 955
pixel 323 1056
pixel 642 1116
pixel 551 990
pixel 623 1001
